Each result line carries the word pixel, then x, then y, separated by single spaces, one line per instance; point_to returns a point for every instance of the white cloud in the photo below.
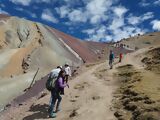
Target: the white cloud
pixel 67 23
pixel 126 32
pixel 116 27
pixel 157 2
pixel 118 31
pixel 43 1
pixel 116 23
pixel 118 17
pixel 95 19
pixel 98 34
pixel 120 11
pixel 22 2
pixel 93 11
pixel 3 12
pixel 144 3
pixel 96 10
pixel 135 20
pixel 2 5
pixel 155 24
pixel 98 7
pixel 28 2
pixel 77 16
pixel 89 31
pixel 63 11
pixel 19 9
pixel 147 16
pixel 33 15
pixel 48 16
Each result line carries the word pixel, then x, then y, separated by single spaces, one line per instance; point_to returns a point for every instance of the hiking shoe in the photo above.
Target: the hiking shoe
pixel 57 110
pixel 52 115
pixel 49 109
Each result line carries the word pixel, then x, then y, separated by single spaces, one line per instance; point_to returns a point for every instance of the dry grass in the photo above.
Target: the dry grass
pixel 137 94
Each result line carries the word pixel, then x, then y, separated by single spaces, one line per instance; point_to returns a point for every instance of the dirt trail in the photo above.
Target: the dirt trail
pixel 88 98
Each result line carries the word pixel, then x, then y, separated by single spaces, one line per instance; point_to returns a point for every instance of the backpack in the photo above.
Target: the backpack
pixel 51 83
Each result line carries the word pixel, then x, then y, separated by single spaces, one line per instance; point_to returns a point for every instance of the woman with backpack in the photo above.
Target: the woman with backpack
pixel 55 92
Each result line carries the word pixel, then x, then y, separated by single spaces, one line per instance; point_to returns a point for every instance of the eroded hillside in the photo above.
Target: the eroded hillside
pixel 26 46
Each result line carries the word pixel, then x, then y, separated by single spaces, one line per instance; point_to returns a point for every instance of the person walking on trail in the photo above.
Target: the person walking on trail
pixel 111 59
pixel 120 57
pixel 68 72
pixel 54 74
pixel 55 92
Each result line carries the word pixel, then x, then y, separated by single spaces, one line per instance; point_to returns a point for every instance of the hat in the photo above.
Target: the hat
pixel 66 63
pixel 59 67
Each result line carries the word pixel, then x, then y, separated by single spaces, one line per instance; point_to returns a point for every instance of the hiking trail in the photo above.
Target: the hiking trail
pixel 89 97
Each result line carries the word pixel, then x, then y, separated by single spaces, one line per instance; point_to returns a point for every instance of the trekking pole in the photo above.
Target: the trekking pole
pixel 34 78
pixel 32 81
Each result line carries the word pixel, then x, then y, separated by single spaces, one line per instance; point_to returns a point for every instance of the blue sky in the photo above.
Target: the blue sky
pixel 96 20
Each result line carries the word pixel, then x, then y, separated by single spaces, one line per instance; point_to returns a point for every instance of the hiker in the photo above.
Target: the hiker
pixel 56 97
pixel 68 72
pixel 54 74
pixel 111 59
pixel 120 57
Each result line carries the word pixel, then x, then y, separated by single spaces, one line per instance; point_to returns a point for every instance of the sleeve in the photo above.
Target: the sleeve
pixel 69 70
pixel 61 84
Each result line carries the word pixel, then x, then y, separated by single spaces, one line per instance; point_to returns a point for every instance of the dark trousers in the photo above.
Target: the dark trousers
pixel 120 60
pixel 55 98
pixel 66 78
pixel 111 63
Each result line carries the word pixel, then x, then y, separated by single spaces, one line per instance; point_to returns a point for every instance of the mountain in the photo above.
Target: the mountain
pixel 26 46
pixel 128 91
pixel 37 45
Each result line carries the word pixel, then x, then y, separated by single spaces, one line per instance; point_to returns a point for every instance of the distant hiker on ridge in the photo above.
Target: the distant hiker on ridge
pixel 120 57
pixel 111 59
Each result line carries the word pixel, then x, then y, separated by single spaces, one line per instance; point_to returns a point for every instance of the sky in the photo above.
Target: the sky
pixel 92 20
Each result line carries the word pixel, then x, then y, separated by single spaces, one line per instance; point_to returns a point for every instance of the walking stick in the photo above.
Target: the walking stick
pixel 32 81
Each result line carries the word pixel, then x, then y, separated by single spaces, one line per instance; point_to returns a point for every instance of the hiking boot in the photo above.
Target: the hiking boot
pixel 57 110
pixel 52 115
pixel 49 110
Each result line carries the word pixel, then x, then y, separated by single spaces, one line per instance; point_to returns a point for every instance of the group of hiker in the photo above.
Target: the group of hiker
pixel 111 58
pixel 57 81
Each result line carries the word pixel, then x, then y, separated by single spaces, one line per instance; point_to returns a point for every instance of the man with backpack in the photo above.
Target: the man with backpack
pixel 56 93
pixel 52 78
pixel 111 59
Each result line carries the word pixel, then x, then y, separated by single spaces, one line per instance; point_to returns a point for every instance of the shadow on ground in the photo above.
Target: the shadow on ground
pixel 39 112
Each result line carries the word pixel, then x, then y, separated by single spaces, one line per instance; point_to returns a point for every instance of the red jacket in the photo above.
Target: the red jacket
pixel 120 56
